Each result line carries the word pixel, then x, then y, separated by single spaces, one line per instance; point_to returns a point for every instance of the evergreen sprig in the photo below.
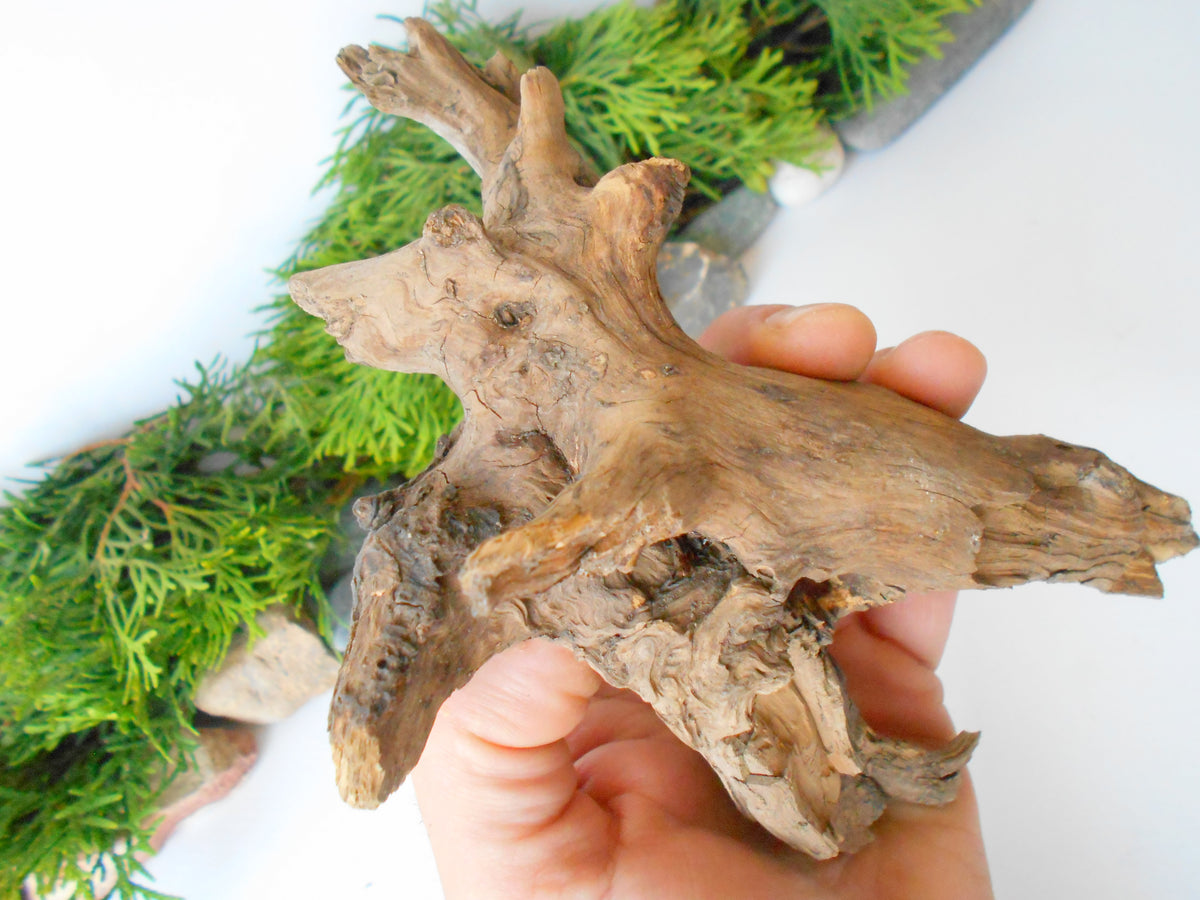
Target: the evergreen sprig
pixel 126 572
pixel 861 50
pixel 872 44
pixel 124 575
pixel 389 174
pixel 679 79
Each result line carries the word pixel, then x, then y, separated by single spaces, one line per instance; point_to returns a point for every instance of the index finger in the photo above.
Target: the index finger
pixel 935 368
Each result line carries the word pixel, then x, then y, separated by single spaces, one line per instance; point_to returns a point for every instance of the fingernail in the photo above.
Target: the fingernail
pixel 792 314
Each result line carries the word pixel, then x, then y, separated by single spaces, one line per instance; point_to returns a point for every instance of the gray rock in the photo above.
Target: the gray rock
pixel 699 284
pixel 349 536
pixel 217 461
pixel 341 605
pixel 974 32
pixel 270 679
pixel 732 224
pixel 337 568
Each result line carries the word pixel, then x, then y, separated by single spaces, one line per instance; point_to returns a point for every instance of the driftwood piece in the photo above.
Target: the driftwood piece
pixel 692 528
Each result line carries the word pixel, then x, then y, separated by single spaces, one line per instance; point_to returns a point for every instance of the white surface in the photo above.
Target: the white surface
pixel 1047 209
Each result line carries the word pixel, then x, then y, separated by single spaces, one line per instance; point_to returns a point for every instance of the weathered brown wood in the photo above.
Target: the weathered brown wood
pixel 691 527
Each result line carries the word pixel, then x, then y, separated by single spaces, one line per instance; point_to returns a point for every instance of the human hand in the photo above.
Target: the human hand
pixel 540 781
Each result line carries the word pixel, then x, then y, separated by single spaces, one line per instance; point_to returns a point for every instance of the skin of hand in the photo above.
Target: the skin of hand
pixel 541 781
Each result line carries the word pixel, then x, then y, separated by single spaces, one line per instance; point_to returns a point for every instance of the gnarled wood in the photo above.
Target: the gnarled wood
pixel 692 528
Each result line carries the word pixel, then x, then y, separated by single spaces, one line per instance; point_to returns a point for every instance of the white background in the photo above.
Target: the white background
pixel 158 159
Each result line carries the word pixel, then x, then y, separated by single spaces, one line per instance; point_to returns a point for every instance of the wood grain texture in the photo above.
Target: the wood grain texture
pixel 692 528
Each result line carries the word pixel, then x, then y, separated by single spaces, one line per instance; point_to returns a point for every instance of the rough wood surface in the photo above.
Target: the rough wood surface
pixel 691 527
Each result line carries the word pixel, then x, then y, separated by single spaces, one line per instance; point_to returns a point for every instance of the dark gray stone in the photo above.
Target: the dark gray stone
pixel 731 225
pixel 348 538
pixel 341 606
pixel 974 32
pixel 337 568
pixel 699 284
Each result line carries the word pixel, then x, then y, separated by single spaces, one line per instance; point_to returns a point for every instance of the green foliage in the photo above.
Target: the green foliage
pixel 99 781
pixel 389 175
pixel 124 575
pixel 860 50
pixel 682 79
pixel 126 572
pixel 477 38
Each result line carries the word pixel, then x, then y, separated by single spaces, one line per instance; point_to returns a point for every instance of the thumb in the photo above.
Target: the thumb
pixel 496 768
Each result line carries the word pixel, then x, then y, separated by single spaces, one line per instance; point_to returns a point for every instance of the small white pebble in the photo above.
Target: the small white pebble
pixel 793 185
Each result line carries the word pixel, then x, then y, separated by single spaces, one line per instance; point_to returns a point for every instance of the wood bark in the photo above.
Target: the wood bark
pixel 692 528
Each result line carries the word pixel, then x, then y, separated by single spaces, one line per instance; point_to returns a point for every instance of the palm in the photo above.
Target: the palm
pixel 540 781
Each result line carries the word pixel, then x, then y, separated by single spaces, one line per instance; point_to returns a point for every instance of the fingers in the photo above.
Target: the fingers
pixel 497 785
pixel 825 340
pixel 896 692
pixel 889 653
pixel 944 372
pixel 496 761
pixel 622 748
pixel 837 342
pixel 529 696
pixel 888 656
pixel 920 623
pixel 938 369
